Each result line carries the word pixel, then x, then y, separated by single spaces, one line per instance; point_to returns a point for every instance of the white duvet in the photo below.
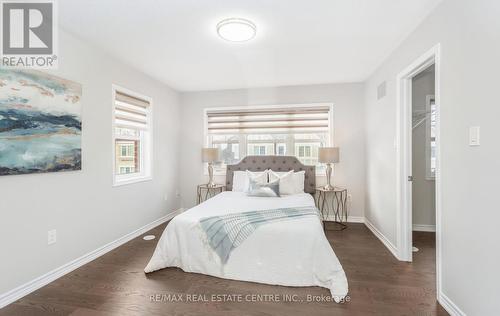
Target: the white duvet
pixel 291 253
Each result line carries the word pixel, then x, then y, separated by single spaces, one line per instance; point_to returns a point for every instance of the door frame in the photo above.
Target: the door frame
pixel 404 155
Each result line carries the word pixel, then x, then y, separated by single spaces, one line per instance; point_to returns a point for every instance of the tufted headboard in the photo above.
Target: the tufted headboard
pixel 275 163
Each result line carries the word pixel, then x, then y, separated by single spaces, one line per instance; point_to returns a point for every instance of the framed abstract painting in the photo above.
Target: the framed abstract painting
pixel 40 123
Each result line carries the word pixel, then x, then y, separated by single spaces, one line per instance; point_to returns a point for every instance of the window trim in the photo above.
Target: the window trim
pixel 146 163
pixel 331 123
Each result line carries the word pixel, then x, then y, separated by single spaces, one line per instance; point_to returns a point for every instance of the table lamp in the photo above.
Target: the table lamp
pixel 210 155
pixel 328 155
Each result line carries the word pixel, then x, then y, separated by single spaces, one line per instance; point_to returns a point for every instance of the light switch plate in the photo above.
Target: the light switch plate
pixel 51 237
pixel 474 136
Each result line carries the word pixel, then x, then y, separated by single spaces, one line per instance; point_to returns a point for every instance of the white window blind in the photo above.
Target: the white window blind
pixel 272 120
pixel 131 112
pixel 132 118
pixel 269 130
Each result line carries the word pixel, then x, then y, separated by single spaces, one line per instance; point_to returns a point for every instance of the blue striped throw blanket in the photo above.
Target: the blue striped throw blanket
pixel 226 232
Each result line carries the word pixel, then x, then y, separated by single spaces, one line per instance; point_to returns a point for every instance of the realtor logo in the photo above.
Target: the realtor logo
pixel 28 34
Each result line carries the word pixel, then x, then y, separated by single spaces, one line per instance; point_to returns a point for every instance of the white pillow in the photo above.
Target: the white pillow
pixel 241 179
pixel 290 182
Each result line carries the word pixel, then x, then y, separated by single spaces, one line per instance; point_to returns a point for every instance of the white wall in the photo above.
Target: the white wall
pixel 348 124
pixel 83 206
pixel 468 33
pixel 424 190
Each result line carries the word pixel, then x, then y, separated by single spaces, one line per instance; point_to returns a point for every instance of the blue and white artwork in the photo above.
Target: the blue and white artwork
pixel 40 123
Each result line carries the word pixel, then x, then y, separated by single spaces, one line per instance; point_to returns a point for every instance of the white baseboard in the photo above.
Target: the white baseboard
pixel 355 219
pixel 449 306
pixel 350 219
pixel 33 285
pixel 424 228
pixel 382 238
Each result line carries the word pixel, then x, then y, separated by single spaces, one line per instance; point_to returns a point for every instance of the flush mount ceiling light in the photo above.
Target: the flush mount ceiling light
pixel 236 29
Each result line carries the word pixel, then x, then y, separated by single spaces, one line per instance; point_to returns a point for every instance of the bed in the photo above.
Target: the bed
pixel 289 253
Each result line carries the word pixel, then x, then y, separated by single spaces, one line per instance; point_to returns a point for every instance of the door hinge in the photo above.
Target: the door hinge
pixel 410 178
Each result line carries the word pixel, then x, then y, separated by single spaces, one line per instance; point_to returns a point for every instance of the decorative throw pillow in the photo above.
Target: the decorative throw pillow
pixel 258 177
pixel 241 179
pixel 290 182
pixel 271 189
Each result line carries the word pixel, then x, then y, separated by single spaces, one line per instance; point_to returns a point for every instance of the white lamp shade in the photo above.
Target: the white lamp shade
pixel 210 154
pixel 328 155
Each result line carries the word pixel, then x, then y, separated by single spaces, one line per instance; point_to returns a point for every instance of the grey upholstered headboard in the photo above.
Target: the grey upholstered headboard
pixel 275 163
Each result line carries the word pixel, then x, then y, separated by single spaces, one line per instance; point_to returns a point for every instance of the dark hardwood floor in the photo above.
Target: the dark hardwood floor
pixel 115 284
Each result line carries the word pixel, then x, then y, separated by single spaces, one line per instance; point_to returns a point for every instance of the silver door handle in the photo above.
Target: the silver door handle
pixel 410 178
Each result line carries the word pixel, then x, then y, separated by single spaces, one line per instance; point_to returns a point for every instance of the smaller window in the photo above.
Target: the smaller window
pixel 131 137
pixel 281 149
pixel 262 150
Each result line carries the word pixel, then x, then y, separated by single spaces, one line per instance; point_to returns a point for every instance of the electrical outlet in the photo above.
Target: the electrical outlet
pixel 51 237
pixel 177 193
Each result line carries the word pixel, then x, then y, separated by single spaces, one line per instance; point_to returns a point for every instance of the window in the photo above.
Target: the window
pixel 292 130
pixel 126 169
pixel 229 147
pixel 259 150
pixel 127 149
pixel 131 137
pixel 281 149
pixel 430 147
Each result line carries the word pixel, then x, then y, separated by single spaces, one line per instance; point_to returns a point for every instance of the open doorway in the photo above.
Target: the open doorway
pixel 423 161
pixel 418 190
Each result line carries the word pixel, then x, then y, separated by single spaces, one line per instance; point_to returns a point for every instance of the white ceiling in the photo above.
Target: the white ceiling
pixel 298 42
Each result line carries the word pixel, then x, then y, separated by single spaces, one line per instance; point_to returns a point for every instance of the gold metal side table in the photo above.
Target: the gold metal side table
pixel 333 206
pixel 204 192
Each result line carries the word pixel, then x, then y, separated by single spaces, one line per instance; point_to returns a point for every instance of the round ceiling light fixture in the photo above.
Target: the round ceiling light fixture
pixel 236 29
